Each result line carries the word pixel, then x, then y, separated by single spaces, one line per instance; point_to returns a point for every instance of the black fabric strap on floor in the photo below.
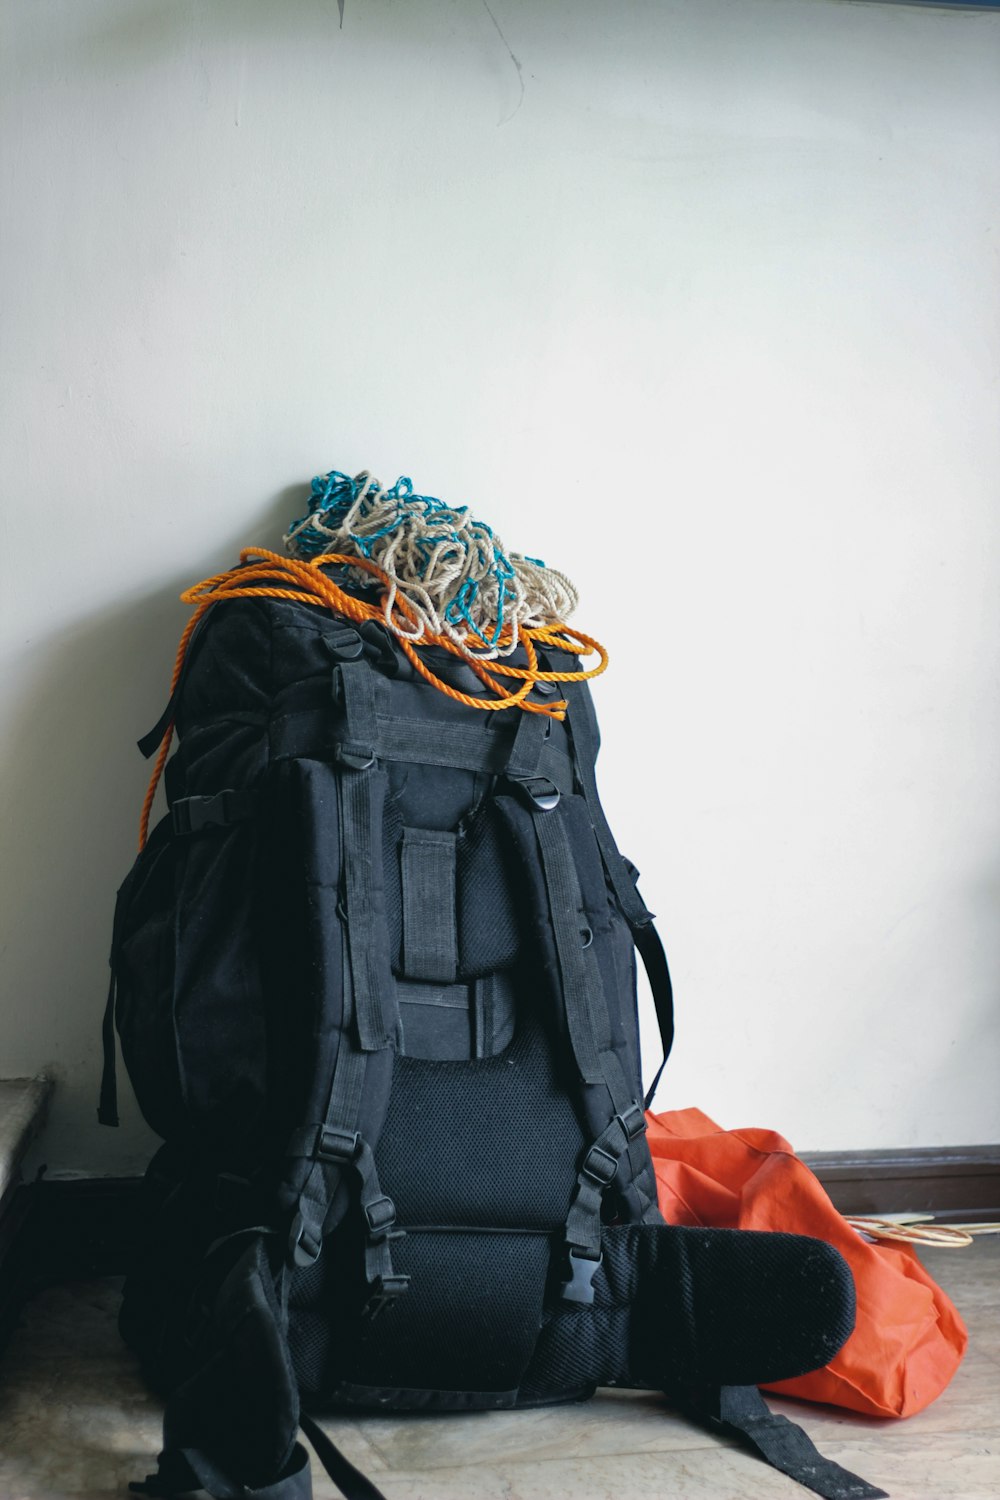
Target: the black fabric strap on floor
pixel 182 1471
pixel 742 1411
pixel 352 1484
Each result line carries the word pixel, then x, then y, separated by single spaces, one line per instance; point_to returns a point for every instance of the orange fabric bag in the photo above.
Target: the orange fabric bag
pixel 908 1340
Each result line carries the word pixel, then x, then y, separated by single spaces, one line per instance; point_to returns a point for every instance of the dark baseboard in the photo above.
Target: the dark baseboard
pixel 957 1184
pixel 64 1231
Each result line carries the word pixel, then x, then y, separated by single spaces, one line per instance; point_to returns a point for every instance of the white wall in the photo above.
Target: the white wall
pixel 696 300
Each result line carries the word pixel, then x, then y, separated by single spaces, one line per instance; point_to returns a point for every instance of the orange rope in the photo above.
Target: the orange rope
pixel 268 575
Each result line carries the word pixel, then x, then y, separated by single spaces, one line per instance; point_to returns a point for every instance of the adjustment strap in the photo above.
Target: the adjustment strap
pixel 347 1150
pixel 430 935
pixel 742 1411
pixel 526 749
pixel 583 1222
pixel 583 993
pixel 362 792
pixel 378 1211
pixel 354 685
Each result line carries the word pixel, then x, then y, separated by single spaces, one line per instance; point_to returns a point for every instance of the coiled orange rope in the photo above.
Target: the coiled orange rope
pixel 268 575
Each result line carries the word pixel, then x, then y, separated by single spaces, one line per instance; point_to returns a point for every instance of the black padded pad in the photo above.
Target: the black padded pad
pixel 680 1307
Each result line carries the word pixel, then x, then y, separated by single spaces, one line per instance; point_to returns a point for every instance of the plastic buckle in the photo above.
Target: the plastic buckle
pixel 599 1166
pixel 193 813
pixel 580 1286
pixel 338 1145
pixel 540 792
pixel 377 638
pixel 344 644
pixel 633 1121
pixel 304 1245
pixel 384 1290
pixel 380 1215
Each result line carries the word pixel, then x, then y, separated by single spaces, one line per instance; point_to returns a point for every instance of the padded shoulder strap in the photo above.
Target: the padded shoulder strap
pixel 339 813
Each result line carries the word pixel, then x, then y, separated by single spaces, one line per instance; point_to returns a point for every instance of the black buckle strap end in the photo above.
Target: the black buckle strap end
pixel 384 1291
pixel 232 805
pixel 580 1286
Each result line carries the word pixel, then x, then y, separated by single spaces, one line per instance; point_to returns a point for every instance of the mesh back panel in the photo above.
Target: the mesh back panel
pixel 490 1141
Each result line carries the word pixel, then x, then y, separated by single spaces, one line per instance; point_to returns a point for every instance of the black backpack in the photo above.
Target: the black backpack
pixel 373 976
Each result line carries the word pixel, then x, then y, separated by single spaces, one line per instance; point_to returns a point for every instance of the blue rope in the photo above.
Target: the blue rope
pixel 334 494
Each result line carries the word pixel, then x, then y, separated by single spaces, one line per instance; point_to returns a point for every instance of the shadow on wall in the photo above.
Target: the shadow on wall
pixel 74 785
pixel 143 32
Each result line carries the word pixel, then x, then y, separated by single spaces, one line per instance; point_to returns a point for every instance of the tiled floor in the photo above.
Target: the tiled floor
pixel 75 1421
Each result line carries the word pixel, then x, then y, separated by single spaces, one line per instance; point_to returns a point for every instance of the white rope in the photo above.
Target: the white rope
pixel 453 570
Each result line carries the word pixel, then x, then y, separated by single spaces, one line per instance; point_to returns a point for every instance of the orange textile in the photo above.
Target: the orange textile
pixel 908 1339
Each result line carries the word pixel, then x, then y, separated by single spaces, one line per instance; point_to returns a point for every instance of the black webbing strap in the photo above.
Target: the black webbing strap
pixel 184 1470
pixel 583 732
pixel 345 1150
pixel 583 1222
pixel 153 738
pixel 107 1107
pixel 589 1029
pixel 586 1011
pixel 526 747
pixel 650 950
pixel 430 932
pixel 305 732
pixel 741 1411
pixel 352 1484
pixel 362 790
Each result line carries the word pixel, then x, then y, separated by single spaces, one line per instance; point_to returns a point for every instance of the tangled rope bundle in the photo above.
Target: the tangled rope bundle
pixel 442 579
pixel 459 582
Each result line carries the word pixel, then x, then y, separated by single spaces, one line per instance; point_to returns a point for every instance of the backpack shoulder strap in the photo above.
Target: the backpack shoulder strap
pixel 349 1093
